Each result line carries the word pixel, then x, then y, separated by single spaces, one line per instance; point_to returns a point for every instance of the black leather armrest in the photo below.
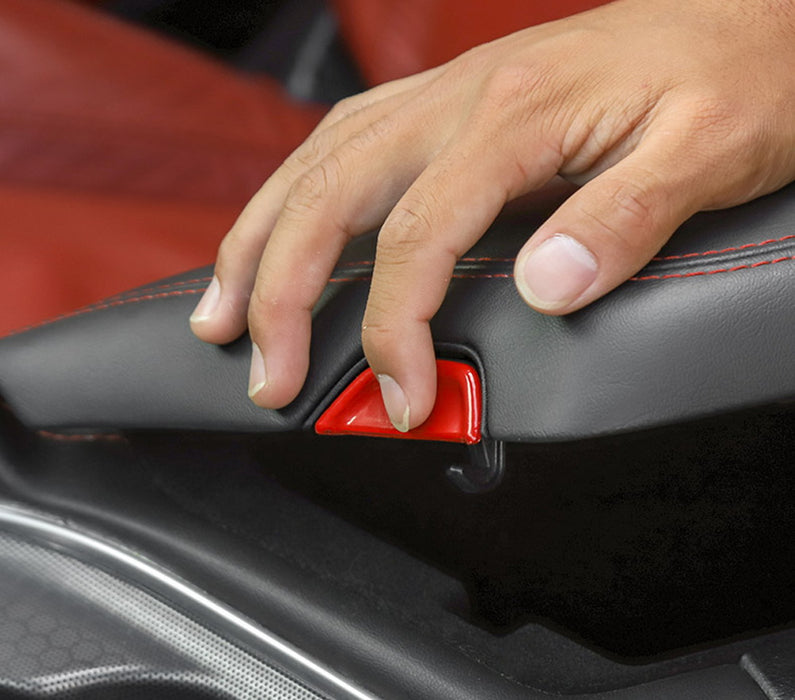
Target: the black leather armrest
pixel 707 327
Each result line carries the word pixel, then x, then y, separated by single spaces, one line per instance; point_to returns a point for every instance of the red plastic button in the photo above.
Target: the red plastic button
pixel 359 409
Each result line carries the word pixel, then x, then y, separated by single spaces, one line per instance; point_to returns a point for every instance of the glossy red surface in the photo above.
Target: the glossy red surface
pixel 456 417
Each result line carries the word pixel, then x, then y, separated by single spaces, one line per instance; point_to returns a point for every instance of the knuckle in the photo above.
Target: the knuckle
pixel 264 309
pixel 314 187
pixel 461 69
pixel 345 108
pixel 708 112
pixel 366 139
pixel 310 152
pixel 719 124
pixel 628 208
pixel 407 230
pixel 721 132
pixel 377 337
pixel 476 61
pixel 512 96
pixel 512 83
pixel 633 202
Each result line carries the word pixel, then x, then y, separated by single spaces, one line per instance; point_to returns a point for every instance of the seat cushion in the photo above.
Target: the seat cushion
pixel 123 156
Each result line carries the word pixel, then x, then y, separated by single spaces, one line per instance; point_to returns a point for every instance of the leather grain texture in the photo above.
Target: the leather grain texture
pixel 707 327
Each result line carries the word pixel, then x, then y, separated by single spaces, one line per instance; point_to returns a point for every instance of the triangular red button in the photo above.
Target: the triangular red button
pixel 456 416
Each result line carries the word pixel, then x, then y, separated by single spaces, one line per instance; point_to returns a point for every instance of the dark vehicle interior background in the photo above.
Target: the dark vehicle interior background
pixel 623 528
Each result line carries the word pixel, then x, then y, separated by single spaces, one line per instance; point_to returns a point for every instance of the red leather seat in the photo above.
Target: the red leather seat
pixel 125 158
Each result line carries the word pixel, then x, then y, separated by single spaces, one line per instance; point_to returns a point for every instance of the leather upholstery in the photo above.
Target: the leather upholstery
pixel 708 327
pixel 93 104
pixel 123 156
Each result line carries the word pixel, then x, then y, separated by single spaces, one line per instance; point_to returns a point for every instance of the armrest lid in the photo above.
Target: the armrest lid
pixel 707 327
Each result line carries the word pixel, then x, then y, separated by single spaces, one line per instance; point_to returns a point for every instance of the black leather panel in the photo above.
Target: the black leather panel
pixel 706 327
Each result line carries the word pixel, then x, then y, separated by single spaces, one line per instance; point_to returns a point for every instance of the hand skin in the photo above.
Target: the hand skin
pixel 658 108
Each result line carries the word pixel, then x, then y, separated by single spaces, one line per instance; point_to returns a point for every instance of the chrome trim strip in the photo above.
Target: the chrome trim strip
pixel 87 547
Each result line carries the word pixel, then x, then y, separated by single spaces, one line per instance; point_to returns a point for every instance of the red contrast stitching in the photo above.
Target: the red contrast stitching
pixel 366 263
pixel 645 278
pixel 366 278
pixel 80 437
pixel 356 263
pixel 134 300
pixel 725 250
pixel 711 272
pixel 172 285
pixel 111 304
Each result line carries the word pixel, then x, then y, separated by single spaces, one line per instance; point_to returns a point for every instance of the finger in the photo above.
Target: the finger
pixel 348 193
pixel 350 106
pixel 440 217
pixel 612 226
pixel 220 316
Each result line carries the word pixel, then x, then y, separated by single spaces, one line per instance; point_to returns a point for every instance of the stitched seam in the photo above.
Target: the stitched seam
pixel 495 275
pixel 734 249
pixel 712 272
pixel 112 304
pixel 79 437
pixel 645 278
pixel 365 263
pixel 365 278
pixel 725 250
pixel 121 296
pixel 152 288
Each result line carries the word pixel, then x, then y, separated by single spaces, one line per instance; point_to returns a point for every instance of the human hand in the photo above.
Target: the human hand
pixel 658 108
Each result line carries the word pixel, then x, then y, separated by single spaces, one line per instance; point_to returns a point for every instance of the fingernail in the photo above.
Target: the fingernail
pixel 209 302
pixel 556 272
pixel 257 377
pixel 397 407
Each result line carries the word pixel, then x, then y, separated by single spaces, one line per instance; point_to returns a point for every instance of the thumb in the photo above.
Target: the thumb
pixel 606 231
